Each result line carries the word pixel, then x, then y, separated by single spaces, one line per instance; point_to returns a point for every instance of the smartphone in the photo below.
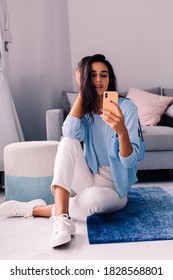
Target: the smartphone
pixel 108 98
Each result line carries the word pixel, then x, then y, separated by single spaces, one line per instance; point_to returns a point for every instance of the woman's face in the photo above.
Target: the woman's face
pixel 100 77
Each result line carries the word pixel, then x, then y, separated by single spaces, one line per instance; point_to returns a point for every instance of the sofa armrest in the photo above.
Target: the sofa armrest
pixel 54 122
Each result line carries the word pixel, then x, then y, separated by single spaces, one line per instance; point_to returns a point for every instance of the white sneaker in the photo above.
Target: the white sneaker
pixel 13 208
pixel 63 229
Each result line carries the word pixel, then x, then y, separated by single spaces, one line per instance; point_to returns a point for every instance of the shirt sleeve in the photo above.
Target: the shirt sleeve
pixel 73 128
pixel 131 121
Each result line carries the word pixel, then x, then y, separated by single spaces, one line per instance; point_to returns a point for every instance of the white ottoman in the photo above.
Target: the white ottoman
pixel 29 170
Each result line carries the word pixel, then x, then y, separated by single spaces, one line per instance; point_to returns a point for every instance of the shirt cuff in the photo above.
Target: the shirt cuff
pixel 114 152
pixel 129 161
pixel 71 127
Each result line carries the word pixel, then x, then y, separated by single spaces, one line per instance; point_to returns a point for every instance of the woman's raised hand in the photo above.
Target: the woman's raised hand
pixel 115 120
pixel 77 75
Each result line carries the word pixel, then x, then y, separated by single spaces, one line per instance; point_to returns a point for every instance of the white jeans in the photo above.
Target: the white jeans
pixel 94 193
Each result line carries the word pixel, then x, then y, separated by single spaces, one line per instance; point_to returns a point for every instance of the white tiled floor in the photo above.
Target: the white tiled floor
pixel 22 239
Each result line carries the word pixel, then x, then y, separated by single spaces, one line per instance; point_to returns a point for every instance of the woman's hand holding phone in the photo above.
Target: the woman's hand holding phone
pixel 112 113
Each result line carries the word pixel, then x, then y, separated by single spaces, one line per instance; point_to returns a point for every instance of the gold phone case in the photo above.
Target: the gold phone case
pixel 107 98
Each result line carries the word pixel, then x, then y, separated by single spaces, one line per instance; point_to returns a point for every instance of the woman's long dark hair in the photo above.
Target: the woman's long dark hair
pixel 91 101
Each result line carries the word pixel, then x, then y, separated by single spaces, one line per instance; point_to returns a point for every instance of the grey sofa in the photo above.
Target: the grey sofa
pixel 158 139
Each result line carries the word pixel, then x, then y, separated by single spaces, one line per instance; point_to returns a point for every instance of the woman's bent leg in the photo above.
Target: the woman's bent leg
pixel 43 211
pixel 70 172
pixel 100 200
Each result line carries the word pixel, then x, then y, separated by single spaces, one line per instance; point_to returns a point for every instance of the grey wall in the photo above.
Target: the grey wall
pixel 39 60
pixel 50 37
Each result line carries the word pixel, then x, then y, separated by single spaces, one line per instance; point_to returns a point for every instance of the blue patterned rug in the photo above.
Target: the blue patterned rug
pixel 148 216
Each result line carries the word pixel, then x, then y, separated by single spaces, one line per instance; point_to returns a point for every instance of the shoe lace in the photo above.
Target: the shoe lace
pixel 60 222
pixel 62 217
pixel 25 212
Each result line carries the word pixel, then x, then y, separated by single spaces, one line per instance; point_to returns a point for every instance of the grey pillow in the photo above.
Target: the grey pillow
pixel 168 92
pixel 169 111
pixel 65 101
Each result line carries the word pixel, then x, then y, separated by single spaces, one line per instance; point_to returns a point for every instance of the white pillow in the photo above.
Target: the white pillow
pixel 150 106
pixel 169 111
pixel 71 96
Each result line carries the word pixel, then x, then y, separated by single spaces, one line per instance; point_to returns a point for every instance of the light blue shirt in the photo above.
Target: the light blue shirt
pixel 123 168
pixel 98 131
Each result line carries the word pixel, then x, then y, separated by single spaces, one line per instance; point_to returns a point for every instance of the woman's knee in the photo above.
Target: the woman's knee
pixel 94 201
pixel 68 143
pixel 104 200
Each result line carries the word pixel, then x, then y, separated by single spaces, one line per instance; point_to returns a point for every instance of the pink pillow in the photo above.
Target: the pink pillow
pixel 150 106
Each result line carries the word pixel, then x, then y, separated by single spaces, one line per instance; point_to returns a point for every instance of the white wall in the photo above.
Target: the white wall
pixel 39 60
pixel 135 35
pixel 50 37
pixel 2 27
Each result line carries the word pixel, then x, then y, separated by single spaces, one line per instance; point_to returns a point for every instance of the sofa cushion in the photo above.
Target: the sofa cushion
pixel 150 106
pixel 72 98
pixel 158 138
pixel 169 111
pixel 66 102
pixel 68 97
pixel 167 91
pixel 154 90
